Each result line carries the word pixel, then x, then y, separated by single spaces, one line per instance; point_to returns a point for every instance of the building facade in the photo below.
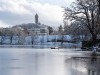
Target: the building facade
pixel 38 28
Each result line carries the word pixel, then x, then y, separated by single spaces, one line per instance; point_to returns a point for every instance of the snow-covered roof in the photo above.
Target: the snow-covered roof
pixel 20 28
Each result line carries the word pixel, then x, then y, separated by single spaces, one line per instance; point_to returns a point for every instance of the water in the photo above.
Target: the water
pixel 21 61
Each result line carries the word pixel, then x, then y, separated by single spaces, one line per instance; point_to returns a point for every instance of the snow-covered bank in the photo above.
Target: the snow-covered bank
pixel 40 40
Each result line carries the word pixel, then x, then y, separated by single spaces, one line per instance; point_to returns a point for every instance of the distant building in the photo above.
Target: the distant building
pixel 38 28
pixel 33 28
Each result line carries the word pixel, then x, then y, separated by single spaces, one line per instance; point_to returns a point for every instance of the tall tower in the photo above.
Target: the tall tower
pixel 36 19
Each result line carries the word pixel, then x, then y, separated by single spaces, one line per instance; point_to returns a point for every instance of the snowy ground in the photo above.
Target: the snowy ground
pixel 38 41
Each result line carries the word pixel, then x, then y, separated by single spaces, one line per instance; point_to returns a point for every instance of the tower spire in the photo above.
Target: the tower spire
pixel 36 18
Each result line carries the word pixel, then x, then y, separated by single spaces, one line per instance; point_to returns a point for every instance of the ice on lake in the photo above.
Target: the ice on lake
pixel 28 61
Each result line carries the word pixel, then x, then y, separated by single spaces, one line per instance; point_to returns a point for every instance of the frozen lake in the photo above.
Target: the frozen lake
pixel 28 61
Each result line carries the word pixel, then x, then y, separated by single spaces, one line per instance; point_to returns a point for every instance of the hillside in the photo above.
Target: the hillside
pixel 30 25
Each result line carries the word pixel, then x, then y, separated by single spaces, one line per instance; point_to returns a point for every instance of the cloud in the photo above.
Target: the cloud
pixel 56 2
pixel 24 10
pixel 3 24
pixel 14 6
pixel 49 13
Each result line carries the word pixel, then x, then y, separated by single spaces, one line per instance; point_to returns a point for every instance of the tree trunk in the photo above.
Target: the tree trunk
pixel 11 38
pixel 94 39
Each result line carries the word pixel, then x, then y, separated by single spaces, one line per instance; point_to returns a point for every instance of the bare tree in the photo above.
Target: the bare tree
pixel 99 5
pixel 86 12
pixel 50 30
pixel 61 34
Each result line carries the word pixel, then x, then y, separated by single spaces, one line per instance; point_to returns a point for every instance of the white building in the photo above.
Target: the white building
pixel 38 29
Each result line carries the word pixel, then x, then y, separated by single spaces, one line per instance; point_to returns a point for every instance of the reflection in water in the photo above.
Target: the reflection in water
pixel 86 66
pixel 94 58
pixel 47 62
pixel 94 68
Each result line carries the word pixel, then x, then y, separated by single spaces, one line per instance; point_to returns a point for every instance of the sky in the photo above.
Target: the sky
pixel 15 12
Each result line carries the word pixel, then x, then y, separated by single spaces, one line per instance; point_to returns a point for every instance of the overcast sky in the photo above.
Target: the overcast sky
pixel 14 12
